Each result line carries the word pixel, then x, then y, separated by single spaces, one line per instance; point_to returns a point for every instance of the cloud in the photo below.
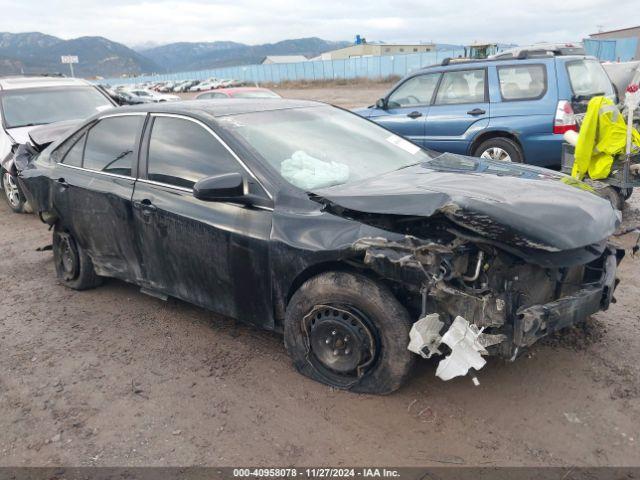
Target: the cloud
pixel 259 21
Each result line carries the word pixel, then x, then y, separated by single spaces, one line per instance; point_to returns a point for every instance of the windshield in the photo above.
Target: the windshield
pixel 588 78
pixel 322 146
pixel 23 108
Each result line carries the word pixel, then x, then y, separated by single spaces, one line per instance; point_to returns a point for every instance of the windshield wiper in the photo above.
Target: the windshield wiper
pixel 407 166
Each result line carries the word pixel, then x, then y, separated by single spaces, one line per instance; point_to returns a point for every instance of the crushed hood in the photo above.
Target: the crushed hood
pixel 20 134
pixel 44 135
pixel 513 204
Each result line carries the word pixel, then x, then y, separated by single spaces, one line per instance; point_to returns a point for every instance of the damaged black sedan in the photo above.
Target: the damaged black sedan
pixel 363 249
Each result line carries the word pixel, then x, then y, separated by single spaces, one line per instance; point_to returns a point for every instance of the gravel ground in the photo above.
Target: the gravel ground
pixel 112 377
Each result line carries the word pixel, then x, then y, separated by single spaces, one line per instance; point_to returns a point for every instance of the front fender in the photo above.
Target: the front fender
pixel 8 162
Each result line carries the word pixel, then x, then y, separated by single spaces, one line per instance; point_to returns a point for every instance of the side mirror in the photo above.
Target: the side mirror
pixel 228 186
pixel 381 103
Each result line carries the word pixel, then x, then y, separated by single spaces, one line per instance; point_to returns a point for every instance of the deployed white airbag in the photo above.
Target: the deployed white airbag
pixel 307 172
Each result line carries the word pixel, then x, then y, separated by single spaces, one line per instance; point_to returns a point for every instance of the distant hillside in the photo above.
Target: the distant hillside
pixel 39 53
pixel 186 56
pixel 35 52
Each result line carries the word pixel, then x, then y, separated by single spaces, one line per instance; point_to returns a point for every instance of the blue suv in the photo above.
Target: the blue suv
pixel 514 109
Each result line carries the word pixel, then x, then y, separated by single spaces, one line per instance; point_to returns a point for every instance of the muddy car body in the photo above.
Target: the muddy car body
pixel 306 219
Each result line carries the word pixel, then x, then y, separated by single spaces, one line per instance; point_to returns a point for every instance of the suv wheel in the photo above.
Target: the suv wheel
pixel 500 148
pixel 350 332
pixel 12 192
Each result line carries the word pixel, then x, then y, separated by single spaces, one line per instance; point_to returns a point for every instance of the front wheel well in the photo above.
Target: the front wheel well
pixel 483 137
pixel 340 266
pixel 314 270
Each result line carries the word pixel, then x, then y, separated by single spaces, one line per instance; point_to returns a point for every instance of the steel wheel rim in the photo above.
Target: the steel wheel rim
pixel 68 258
pixel 340 342
pixel 496 153
pixel 11 190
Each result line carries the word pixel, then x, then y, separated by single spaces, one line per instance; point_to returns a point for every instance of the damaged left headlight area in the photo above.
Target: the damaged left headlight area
pixel 473 299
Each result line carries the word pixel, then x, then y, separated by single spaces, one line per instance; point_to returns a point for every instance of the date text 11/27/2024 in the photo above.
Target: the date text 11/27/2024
pixel 315 472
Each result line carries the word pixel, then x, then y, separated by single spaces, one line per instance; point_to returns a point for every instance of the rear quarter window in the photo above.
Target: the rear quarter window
pixel 588 78
pixel 522 82
pixel 74 155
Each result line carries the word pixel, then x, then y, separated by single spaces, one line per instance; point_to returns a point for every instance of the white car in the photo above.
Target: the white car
pixel 226 83
pixel 27 102
pixel 151 96
pixel 206 85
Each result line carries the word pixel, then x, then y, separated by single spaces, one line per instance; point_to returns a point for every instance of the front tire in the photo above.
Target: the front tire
pixel 348 331
pixel 500 148
pixel 13 193
pixel 74 267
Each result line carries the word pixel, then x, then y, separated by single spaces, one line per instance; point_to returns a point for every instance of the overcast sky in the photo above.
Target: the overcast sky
pixel 261 21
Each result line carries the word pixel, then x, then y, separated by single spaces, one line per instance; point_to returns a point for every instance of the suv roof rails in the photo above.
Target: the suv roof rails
pixel 523 54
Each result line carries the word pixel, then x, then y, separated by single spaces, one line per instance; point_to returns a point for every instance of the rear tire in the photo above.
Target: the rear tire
pixel 74 267
pixel 349 332
pixel 500 148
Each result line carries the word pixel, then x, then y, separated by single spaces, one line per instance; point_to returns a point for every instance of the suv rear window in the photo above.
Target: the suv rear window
pixel 522 82
pixel 458 87
pixel 588 78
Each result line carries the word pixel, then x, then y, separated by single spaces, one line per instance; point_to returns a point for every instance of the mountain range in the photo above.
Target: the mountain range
pixel 35 52
pixel 186 56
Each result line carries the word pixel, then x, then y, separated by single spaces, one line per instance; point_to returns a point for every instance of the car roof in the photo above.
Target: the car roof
pixel 242 89
pixel 222 107
pixel 454 64
pixel 21 82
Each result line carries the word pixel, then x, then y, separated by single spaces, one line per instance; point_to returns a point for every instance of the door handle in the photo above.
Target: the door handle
pixel 62 182
pixel 414 114
pixel 145 205
pixel 476 111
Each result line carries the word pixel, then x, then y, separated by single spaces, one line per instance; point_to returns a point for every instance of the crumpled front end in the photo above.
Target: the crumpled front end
pixel 477 299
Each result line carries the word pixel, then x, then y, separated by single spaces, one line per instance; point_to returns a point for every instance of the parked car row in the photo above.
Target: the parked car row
pixel 182 86
pixel 365 250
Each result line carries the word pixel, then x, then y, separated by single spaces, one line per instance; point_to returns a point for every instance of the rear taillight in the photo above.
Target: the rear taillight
pixel 565 119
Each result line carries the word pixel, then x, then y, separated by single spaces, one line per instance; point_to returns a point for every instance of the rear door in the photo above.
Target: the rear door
pixel 460 109
pixel 212 254
pixel 93 186
pixel 408 107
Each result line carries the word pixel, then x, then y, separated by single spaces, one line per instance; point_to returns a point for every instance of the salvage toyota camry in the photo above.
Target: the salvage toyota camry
pixel 364 250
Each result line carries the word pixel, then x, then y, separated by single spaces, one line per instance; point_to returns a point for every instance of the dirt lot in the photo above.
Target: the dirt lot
pixel 114 377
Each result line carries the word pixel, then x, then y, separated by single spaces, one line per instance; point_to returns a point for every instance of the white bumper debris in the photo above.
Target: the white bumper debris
pixel 462 338
pixel 425 333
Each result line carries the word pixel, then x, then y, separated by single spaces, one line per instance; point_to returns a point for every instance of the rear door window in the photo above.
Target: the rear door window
pixel 415 91
pixel 181 152
pixel 522 82
pixel 466 86
pixel 588 78
pixel 111 144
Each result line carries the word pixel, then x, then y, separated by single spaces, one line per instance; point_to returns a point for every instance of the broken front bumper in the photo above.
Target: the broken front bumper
pixel 536 321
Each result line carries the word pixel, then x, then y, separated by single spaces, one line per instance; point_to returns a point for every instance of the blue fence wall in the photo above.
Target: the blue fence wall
pixel 363 67
pixel 612 50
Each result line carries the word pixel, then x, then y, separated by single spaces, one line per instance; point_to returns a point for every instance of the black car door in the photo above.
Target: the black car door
pixel 92 190
pixel 212 254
